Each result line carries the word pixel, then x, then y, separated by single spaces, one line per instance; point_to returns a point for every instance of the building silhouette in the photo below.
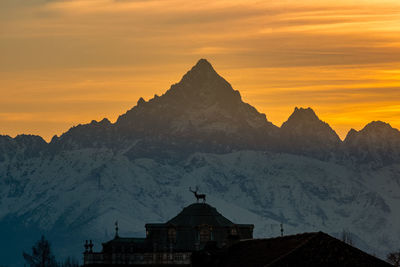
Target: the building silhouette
pixel 200 236
pixel 197 227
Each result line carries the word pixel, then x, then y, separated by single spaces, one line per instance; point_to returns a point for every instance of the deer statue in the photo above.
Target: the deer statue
pixel 198 196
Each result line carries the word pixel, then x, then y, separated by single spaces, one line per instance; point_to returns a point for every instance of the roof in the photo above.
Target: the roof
pixel 308 249
pixel 198 214
pixel 136 240
pixel 138 244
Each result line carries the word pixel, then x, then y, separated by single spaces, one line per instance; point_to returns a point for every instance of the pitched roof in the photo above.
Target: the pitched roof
pixel 309 249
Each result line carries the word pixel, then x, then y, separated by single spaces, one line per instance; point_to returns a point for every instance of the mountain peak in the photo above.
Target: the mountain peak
pixel 305 132
pixel 374 130
pixel 303 114
pixel 376 125
pixel 377 142
pixel 301 117
pixel 201 107
pixel 305 120
pixel 200 73
pixel 203 64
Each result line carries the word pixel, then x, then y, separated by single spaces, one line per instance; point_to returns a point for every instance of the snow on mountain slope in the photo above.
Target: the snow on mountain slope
pixel 84 191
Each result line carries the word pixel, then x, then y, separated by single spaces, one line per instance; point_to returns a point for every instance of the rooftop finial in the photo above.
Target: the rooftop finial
pixel 198 196
pixel 86 247
pixel 116 229
pixel 90 246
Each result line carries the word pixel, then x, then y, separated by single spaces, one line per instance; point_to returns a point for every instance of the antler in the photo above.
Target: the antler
pixel 190 189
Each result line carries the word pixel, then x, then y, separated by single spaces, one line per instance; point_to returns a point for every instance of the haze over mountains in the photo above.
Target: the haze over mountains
pixel 200 132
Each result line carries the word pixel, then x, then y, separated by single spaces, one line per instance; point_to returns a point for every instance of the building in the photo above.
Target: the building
pixel 308 249
pixel 197 227
pixel 200 236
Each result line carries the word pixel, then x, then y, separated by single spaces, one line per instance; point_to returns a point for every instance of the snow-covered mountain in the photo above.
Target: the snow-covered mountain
pixel 138 170
pixel 306 134
pixel 376 144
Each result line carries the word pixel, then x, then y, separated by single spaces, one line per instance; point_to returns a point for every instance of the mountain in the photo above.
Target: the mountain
pixel 138 170
pixel 21 147
pixel 94 134
pixel 376 143
pixel 200 113
pixel 202 103
pixel 304 133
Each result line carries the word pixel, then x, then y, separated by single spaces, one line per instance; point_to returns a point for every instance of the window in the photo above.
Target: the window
pixel 178 257
pixel 234 231
pixel 172 235
pixel 205 234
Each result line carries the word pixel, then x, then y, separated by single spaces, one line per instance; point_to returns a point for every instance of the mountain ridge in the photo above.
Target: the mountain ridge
pixel 203 113
pixel 138 169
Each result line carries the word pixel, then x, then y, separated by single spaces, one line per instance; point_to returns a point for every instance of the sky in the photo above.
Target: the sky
pixel 67 62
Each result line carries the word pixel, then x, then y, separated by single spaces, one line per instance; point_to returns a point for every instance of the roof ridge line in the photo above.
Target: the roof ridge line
pixel 293 250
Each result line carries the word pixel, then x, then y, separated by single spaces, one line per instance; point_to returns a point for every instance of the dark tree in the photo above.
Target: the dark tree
pixel 394 258
pixel 41 255
pixel 70 262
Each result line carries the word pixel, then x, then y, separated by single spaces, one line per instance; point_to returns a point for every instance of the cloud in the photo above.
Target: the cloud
pixel 279 54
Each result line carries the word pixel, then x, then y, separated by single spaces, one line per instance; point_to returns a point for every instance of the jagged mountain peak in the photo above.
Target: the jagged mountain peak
pixel 29 138
pixel 203 70
pixel 203 66
pixel 103 122
pixel 378 130
pixel 304 132
pixel 378 126
pixel 141 101
pixel 302 118
pixel 302 115
pixel 201 111
pixel 304 112
pixel 377 142
pixel 203 85
pixel 199 88
pixel 201 94
pixel 352 132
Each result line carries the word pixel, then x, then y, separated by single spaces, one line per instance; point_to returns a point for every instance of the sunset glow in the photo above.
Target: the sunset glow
pixel 63 63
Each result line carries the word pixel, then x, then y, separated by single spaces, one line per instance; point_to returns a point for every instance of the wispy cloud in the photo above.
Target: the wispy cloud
pixel 332 55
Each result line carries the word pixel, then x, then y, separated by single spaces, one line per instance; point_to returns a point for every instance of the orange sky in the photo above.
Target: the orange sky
pixel 65 62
